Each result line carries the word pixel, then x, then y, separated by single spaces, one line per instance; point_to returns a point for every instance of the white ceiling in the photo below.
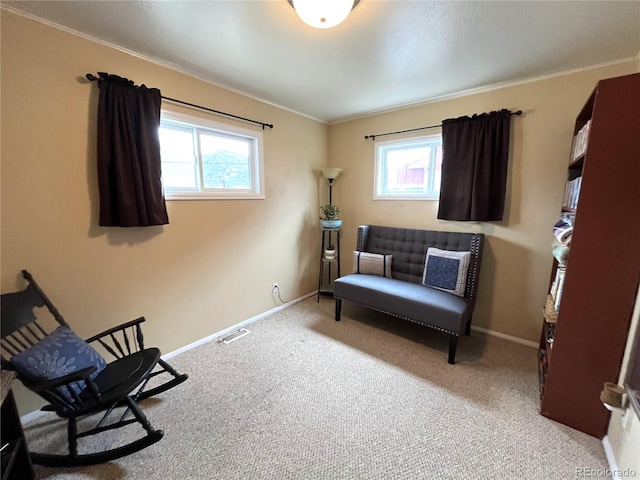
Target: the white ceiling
pixel 386 54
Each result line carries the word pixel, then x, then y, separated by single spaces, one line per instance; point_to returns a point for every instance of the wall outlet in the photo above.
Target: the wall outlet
pixel 275 288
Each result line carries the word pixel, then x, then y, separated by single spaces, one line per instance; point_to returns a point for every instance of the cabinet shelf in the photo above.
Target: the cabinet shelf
pixel 576 164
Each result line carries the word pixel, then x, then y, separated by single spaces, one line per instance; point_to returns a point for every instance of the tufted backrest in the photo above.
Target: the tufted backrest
pixel 409 250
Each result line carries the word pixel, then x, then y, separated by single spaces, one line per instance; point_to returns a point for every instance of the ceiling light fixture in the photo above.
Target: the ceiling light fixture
pixel 323 13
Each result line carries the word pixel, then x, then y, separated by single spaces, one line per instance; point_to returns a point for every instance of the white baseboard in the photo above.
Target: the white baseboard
pixel 504 336
pixel 222 333
pixel 613 465
pixel 29 417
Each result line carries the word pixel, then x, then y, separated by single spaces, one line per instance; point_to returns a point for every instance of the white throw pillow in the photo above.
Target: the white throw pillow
pixel 372 263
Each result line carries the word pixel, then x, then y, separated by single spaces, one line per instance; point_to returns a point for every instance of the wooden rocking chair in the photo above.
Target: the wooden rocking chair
pixel 75 379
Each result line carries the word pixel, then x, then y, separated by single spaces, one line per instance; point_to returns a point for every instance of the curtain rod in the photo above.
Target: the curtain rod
pixel 373 137
pixel 93 78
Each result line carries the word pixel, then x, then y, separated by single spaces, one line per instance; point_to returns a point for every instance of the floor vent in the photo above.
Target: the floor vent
pixel 236 334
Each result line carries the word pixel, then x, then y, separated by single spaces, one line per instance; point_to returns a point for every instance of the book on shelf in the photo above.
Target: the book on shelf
pixel 562 232
pixel 572 192
pixel 557 287
pixel 580 141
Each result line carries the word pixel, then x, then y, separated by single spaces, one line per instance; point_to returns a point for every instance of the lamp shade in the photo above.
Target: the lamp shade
pixel 323 13
pixel 330 173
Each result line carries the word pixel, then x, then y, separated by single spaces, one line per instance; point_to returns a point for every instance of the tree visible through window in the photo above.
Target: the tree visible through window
pixel 225 162
pixel 200 161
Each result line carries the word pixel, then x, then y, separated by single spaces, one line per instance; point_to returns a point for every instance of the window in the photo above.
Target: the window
pixel 408 169
pixel 202 159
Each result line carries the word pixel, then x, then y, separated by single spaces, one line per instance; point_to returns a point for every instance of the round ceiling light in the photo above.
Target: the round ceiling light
pixel 323 13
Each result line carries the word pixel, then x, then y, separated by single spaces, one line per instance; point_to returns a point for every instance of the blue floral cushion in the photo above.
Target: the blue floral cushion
pixel 58 354
pixel 446 270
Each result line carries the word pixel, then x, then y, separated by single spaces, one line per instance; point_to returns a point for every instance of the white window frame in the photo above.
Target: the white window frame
pixel 257 175
pixel 380 158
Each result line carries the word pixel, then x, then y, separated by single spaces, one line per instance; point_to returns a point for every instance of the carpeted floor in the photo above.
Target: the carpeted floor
pixel 370 397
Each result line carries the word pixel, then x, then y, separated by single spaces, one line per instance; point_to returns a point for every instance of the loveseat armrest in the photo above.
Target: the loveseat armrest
pixel 363 238
pixel 473 275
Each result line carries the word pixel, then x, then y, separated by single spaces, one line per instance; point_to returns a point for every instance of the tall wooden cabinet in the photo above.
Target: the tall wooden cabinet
pixel 16 464
pixel 585 345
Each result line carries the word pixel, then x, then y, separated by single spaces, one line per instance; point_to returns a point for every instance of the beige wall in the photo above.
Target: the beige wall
pixel 213 265
pixel 517 257
pixel 210 268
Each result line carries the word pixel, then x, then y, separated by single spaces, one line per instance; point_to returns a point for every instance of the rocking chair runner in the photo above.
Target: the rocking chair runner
pixel 75 379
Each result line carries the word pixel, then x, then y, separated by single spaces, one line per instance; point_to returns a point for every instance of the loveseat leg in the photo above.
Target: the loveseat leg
pixel 453 345
pixel 338 309
pixel 467 328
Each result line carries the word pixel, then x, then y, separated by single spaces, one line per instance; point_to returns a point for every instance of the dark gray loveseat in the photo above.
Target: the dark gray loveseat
pixel 403 295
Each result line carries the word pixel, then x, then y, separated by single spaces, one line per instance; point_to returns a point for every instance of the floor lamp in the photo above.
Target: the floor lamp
pixel 330 174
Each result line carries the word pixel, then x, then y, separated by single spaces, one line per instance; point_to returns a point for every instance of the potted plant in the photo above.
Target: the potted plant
pixel 330 216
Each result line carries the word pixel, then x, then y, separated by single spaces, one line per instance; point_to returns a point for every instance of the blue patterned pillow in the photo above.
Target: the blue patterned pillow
pixel 446 270
pixel 58 354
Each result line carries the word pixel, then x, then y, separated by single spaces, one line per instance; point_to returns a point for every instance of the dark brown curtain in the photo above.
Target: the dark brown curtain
pixel 129 154
pixel 475 152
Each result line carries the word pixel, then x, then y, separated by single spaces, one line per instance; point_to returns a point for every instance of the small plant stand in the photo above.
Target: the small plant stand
pixel 325 284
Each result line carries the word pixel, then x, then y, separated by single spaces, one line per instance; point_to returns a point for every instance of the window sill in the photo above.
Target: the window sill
pixel 169 197
pixel 404 197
